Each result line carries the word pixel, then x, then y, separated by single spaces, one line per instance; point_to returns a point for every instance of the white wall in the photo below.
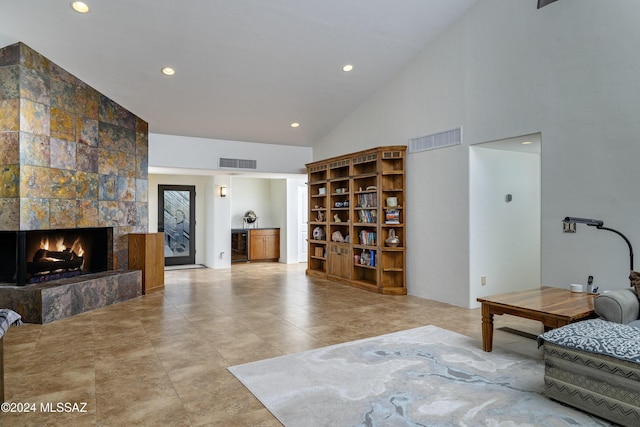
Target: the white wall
pixel 437 206
pixel 203 153
pixel 217 224
pixel 504 236
pixel 253 194
pixel 568 71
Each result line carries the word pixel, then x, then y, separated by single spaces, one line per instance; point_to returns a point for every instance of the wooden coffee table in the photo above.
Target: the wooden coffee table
pixel 554 307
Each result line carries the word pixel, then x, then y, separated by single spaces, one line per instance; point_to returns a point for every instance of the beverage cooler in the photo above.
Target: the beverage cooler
pixel 239 245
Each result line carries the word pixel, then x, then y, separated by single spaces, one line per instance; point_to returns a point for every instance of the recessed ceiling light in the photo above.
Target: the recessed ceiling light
pixel 295 125
pixel 80 6
pixel 168 71
pixel 347 68
pixel 526 142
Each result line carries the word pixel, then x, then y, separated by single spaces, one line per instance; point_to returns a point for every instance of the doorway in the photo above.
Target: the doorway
pixel 302 222
pixel 504 216
pixel 176 218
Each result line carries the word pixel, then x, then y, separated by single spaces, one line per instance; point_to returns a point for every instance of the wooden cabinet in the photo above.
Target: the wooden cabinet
pixel 355 201
pixel 146 253
pixel 264 244
pixel 339 262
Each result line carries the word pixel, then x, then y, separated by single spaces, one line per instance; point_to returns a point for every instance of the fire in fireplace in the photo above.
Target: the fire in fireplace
pixel 44 255
pixel 54 257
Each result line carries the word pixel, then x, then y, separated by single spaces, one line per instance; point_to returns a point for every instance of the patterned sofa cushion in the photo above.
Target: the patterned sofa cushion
pixel 598 336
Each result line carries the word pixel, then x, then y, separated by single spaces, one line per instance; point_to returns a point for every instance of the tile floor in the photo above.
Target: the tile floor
pixel 161 359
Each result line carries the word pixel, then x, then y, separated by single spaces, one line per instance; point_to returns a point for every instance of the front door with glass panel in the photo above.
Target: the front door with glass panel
pixel 176 218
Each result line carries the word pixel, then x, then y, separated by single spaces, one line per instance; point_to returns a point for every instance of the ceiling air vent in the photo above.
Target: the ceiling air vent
pixel 237 163
pixel 436 140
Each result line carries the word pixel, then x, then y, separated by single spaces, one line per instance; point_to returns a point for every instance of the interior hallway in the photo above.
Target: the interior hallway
pixel 161 359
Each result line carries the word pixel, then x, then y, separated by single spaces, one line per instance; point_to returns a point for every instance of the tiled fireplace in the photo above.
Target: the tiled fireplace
pixel 72 161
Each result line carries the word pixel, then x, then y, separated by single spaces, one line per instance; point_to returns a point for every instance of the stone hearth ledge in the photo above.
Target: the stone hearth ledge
pixel 57 299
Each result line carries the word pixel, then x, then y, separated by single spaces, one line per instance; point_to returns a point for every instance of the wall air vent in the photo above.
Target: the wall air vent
pixel 237 163
pixel 436 140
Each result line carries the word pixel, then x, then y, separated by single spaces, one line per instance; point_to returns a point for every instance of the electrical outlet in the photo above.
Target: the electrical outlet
pixel 483 280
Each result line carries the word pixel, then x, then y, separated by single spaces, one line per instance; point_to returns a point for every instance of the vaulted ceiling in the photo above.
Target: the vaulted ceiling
pixel 244 69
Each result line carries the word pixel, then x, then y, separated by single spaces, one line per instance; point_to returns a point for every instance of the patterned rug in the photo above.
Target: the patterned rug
pixel 420 377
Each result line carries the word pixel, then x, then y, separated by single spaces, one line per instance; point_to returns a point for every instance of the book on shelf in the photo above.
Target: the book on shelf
pixel 392 216
pixel 367 200
pixel 368 237
pixel 368 216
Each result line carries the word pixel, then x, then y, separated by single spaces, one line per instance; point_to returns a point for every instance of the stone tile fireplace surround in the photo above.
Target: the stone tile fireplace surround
pixel 70 158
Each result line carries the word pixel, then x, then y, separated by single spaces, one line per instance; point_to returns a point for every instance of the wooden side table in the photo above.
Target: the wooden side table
pixel 554 307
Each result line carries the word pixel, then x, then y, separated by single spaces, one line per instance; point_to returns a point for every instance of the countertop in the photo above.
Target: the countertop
pixel 257 228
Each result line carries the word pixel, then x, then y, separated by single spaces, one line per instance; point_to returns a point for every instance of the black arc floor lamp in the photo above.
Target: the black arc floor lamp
pixel 599 224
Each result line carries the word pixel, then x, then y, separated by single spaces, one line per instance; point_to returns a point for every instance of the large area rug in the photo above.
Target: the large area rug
pixel 420 377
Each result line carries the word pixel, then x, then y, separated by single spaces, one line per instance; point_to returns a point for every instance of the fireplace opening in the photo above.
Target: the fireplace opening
pixel 45 255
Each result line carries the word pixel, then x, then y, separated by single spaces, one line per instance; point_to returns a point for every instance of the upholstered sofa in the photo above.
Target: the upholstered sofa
pixel 594 365
pixel 621 306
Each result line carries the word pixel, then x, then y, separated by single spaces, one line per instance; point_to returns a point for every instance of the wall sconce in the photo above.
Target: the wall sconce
pixel 569 226
pixel 223 191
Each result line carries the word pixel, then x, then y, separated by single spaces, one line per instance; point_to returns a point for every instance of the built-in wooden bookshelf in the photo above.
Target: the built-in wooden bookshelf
pixel 355 201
